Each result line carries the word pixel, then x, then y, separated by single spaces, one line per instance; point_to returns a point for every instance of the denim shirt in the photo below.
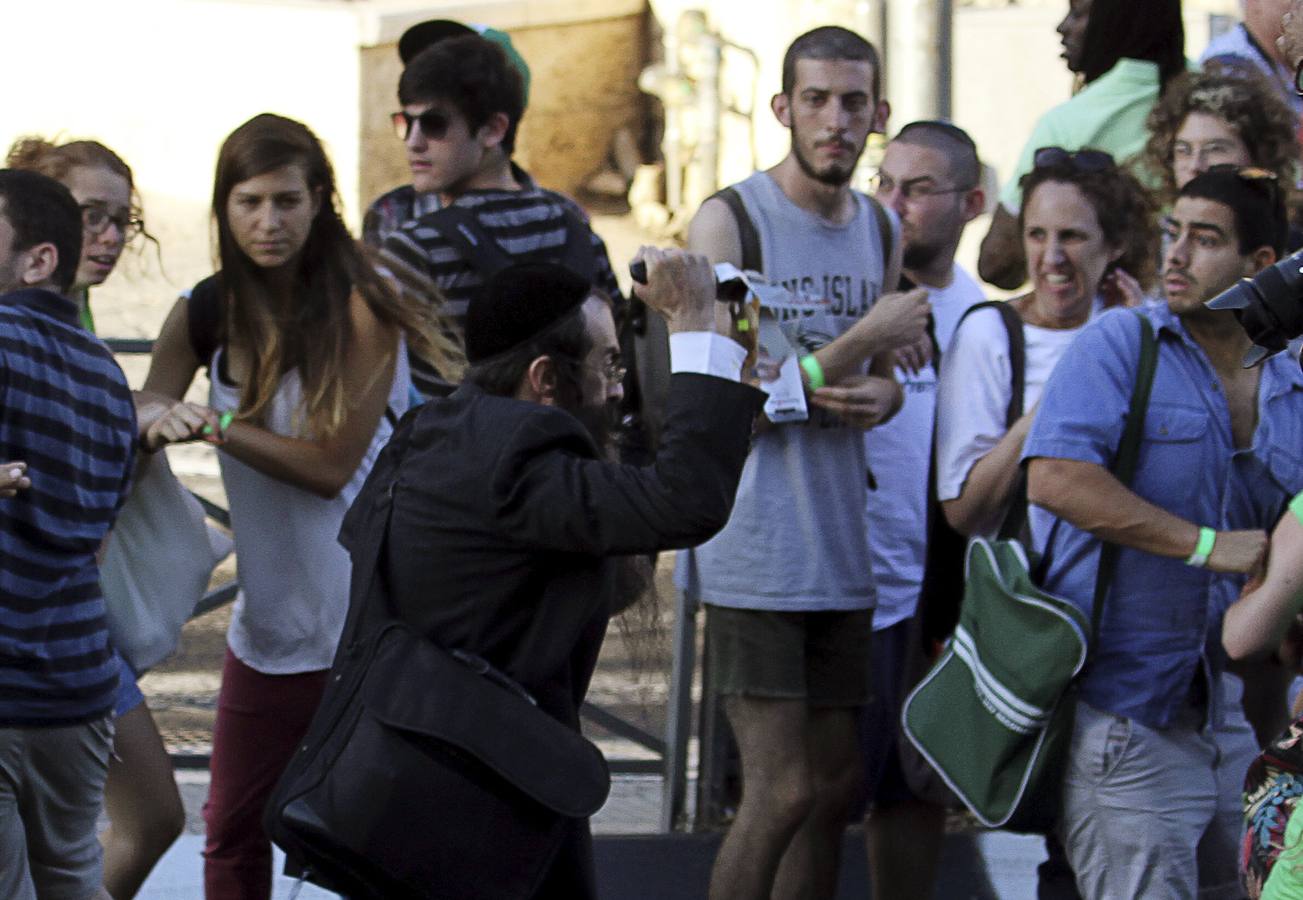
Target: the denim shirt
pixel 1162 619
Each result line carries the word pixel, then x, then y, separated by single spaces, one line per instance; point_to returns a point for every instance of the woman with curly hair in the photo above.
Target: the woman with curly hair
pixel 1218 116
pixel 1087 227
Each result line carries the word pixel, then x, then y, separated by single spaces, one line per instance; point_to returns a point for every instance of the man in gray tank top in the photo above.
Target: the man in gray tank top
pixel 787 583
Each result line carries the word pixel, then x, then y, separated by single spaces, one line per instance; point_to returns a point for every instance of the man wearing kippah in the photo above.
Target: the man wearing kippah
pixel 510 527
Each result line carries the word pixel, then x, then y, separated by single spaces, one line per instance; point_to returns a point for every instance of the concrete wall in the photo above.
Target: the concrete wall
pixel 584 60
pixel 162 82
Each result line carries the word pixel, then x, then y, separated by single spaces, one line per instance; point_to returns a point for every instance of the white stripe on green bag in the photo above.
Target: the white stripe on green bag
pixel 1013 712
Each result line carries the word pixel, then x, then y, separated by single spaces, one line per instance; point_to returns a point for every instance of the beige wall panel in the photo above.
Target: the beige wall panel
pixel 163 82
pixel 583 88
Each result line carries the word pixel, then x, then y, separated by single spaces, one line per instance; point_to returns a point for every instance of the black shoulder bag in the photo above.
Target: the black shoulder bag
pixel 425 773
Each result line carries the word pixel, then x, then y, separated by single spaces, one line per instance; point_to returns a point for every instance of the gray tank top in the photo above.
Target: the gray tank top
pixel 797 539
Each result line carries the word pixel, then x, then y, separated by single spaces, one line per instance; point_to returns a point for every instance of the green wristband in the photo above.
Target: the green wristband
pixel 813 371
pixel 1204 549
pixel 223 422
pixel 1296 507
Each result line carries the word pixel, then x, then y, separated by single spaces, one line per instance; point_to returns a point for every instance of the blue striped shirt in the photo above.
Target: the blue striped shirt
pixel 66 410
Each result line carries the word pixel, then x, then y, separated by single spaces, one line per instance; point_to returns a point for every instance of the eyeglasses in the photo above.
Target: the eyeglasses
pixel 1083 161
pixel 914 188
pixel 1298 79
pixel 434 124
pixel 613 370
pixel 95 219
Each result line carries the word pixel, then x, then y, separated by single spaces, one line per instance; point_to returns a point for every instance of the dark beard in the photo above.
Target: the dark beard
pixel 833 177
pixel 602 424
pixel 919 256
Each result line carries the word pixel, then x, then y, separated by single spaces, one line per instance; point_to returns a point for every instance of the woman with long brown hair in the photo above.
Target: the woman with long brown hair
pixel 305 348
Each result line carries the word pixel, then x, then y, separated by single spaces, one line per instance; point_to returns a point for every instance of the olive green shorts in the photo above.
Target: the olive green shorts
pixel 820 657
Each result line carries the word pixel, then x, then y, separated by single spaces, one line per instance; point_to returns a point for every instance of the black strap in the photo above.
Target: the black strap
pixel 1124 464
pixel 461 228
pixel 205 311
pixel 884 232
pixel 1013 326
pixel 752 261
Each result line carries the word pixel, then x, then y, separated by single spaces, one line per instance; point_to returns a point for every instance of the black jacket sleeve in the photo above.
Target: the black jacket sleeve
pixel 553 495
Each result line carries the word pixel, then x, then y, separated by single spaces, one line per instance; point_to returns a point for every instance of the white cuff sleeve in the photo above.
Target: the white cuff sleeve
pixel 706 353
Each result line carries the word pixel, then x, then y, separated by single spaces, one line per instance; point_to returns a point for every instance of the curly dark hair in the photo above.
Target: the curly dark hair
pixel 1125 210
pixel 1238 96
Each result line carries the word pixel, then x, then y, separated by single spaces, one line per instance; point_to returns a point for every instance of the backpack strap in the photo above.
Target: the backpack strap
pixel 1017 353
pixel 1015 519
pixel 1124 464
pixel 578 255
pixel 205 318
pixel 752 259
pixel 461 228
pixel 884 232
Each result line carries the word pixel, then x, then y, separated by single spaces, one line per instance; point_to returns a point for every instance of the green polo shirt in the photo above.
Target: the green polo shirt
pixel 1108 114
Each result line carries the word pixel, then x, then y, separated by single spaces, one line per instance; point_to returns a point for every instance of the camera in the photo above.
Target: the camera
pixel 1269 307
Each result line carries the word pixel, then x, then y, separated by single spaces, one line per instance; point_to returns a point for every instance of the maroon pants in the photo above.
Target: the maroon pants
pixel 260 719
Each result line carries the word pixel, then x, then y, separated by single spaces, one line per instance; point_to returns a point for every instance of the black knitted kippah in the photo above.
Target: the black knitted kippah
pixel 518 303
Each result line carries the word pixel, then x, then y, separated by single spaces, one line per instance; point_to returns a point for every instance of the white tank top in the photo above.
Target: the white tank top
pixel 293 573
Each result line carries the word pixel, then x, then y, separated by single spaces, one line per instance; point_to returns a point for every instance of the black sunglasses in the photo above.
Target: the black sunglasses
pixel 434 124
pixel 1084 161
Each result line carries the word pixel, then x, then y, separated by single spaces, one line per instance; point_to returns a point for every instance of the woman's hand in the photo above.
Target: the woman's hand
pixel 183 422
pixel 1118 288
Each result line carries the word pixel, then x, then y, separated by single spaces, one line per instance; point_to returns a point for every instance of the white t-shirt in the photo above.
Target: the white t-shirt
pixel 294 575
pixel 898 455
pixel 975 389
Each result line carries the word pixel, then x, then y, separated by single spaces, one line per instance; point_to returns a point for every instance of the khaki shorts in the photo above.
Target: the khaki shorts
pixel 820 657
pixel 51 791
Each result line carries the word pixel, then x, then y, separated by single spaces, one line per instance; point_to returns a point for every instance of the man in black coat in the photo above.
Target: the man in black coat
pixel 509 521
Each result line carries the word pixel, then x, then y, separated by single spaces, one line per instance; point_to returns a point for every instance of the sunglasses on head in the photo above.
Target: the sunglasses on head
pixel 434 124
pixel 1254 175
pixel 1084 161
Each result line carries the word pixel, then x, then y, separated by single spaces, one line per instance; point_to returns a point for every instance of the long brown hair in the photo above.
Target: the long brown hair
pixel 308 329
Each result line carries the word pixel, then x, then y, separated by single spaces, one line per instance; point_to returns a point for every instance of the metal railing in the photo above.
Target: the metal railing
pixel 225 593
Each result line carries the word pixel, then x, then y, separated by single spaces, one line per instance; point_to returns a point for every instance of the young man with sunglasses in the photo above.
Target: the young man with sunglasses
pixel 406 202
pixel 462 101
pixel 930 177
pixel 1160 746
pixel 786 585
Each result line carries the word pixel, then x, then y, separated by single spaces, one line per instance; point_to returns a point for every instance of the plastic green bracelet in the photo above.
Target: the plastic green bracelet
pixel 1296 507
pixel 223 422
pixel 1204 549
pixel 814 371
